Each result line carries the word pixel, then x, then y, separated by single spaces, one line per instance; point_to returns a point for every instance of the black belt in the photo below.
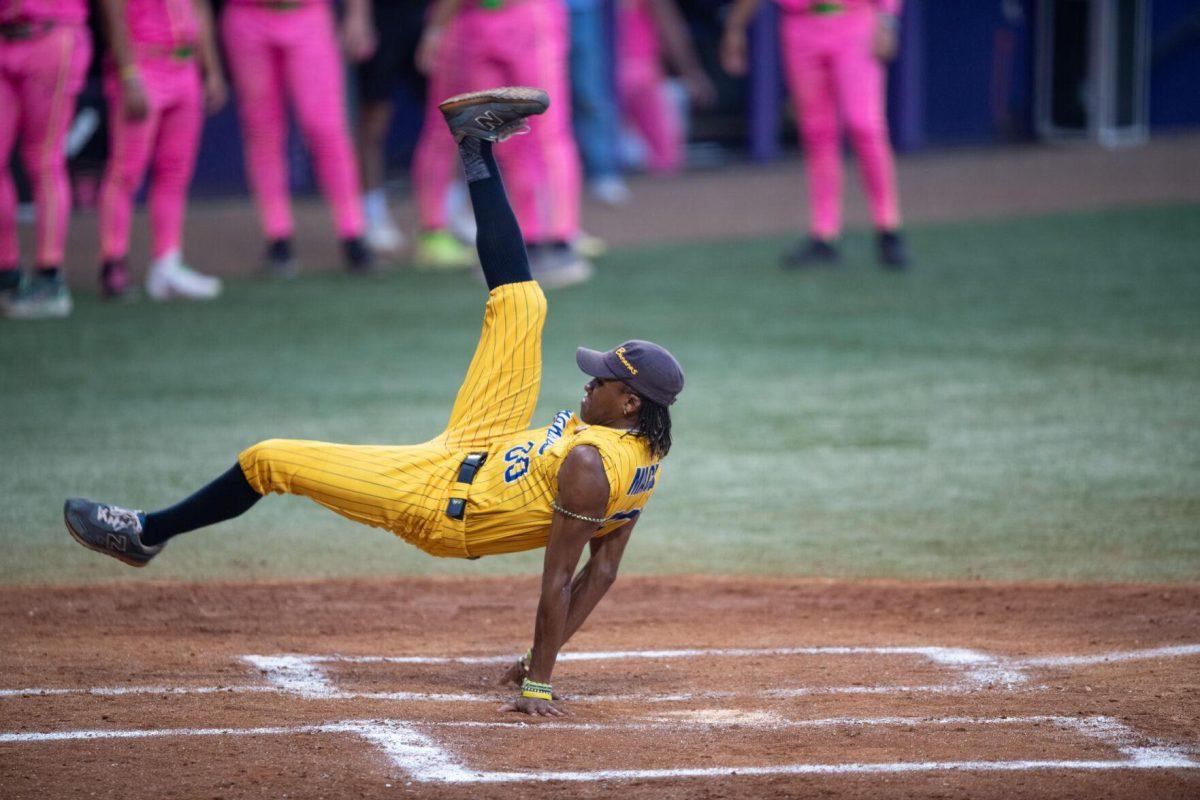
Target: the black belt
pixel 457 507
pixel 24 29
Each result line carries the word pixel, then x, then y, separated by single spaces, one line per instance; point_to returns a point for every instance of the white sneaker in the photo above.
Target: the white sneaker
pixel 610 190
pixel 383 236
pixel 170 278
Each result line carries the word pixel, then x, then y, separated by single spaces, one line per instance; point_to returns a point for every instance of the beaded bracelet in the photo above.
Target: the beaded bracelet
pixel 538 691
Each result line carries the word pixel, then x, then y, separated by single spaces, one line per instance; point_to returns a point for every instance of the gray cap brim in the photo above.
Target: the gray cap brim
pixel 593 363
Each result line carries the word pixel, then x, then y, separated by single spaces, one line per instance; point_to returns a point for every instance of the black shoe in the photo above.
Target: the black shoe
pixel 495 114
pixel 278 261
pixel 359 260
pixel 114 279
pixel 111 530
pixel 10 286
pixel 811 253
pixel 893 254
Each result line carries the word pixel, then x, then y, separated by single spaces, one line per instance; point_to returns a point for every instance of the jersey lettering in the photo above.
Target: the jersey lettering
pixel 517 459
pixel 625 515
pixel 643 479
pixel 557 426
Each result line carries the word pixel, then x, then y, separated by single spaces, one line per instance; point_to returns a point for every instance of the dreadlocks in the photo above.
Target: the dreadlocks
pixel 654 423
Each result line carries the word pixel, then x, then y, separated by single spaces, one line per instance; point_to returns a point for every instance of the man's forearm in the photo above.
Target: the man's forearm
pixel 588 588
pixel 548 631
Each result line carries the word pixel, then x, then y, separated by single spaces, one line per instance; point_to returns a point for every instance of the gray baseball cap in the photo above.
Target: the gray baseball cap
pixel 643 366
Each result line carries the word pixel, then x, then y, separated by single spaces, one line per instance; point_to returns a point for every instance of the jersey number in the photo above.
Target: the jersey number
pixel 517 459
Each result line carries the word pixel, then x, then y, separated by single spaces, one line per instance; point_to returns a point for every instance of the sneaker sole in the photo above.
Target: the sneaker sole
pixel 79 538
pixel 503 94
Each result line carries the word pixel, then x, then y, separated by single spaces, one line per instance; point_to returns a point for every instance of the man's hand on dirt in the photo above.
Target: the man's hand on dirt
pixel 534 707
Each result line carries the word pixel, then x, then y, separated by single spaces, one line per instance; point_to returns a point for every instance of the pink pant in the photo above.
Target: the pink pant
pixel 293 51
pixel 170 136
pixel 830 68
pixel 39 79
pixel 641 89
pixel 523 43
pixel 641 92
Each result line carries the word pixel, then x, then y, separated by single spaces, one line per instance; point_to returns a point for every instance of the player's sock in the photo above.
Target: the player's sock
pixel 225 498
pixel 501 247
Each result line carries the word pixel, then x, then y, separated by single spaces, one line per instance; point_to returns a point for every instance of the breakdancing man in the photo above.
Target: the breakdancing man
pixel 487 484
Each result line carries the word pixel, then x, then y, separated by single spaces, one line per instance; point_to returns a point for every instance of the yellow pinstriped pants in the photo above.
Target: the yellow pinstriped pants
pixel 404 488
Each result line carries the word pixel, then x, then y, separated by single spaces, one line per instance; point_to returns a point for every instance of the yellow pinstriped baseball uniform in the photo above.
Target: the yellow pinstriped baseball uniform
pixel 405 489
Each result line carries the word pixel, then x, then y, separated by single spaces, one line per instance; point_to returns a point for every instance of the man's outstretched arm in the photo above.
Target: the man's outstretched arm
pixel 589 586
pixel 583 492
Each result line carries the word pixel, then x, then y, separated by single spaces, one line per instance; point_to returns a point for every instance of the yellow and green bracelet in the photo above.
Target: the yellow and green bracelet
pixel 538 691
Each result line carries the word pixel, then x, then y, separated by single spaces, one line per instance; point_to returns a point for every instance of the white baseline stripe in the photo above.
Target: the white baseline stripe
pixel 826 769
pixel 1175 651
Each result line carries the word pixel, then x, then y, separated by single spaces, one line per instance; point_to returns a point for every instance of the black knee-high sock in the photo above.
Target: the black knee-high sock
pixel 499 241
pixel 225 498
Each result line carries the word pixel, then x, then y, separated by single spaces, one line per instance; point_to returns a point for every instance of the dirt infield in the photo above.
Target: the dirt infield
pixel 679 687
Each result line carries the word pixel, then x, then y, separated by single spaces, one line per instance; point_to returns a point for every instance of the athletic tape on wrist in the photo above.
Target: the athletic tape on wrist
pixel 538 691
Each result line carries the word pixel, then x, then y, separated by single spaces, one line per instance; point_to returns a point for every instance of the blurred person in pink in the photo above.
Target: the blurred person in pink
pixel 835 56
pixel 471 45
pixel 646 31
pixel 45 49
pixel 161 72
pixel 285 52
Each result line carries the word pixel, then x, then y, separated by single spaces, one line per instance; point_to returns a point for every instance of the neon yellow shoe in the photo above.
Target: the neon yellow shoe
pixel 440 250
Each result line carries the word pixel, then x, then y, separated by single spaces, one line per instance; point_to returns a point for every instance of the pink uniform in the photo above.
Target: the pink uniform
pixel 164 35
pixel 834 76
pixel 522 42
pixel 641 86
pixel 288 51
pixel 44 53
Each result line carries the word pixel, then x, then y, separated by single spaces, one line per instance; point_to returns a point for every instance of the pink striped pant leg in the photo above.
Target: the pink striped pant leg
pixel 545 173
pixel 435 161
pixel 313 71
pixel 51 70
pixel 257 74
pixel 644 101
pixel 810 81
pixel 861 87
pixel 174 159
pixel 129 146
pixel 10 120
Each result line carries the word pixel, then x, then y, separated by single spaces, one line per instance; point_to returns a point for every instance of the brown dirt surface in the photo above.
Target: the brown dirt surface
pixel 904 717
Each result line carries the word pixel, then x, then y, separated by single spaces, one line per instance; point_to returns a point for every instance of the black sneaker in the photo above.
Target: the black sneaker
pixel 10 285
pixel 278 261
pixel 359 260
pixel 495 114
pixel 114 279
pixel 893 254
pixel 111 530
pixel 811 253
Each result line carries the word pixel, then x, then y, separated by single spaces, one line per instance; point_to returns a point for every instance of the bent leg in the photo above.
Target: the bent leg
pixel 397 488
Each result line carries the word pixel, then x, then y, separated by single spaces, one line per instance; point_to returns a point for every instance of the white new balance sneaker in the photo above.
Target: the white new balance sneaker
pixel 383 237
pixel 170 278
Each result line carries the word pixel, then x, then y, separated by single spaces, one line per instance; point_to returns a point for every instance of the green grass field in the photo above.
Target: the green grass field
pixel 1024 405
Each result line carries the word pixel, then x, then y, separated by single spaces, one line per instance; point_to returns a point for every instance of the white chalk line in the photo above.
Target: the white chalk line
pixel 424 760
pixel 303 675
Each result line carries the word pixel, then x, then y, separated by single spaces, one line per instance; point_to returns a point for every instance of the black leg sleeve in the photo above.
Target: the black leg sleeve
pixel 501 246
pixel 228 496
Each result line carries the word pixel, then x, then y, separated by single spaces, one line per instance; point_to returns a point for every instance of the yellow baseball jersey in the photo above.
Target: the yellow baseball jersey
pixel 406 488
